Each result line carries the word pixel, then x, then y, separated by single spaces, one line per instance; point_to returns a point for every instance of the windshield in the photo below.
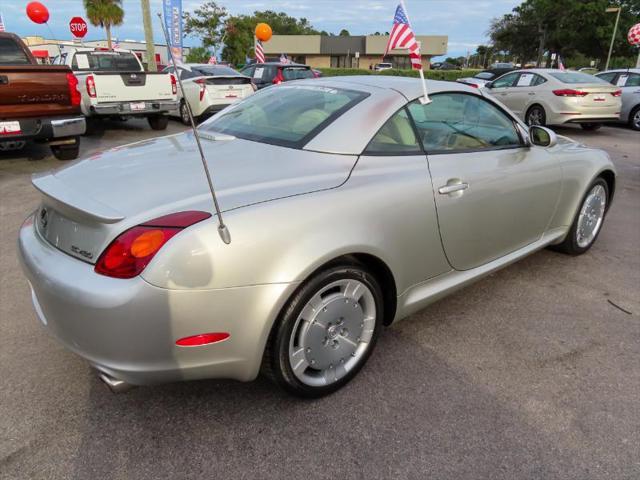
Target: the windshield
pixel 285 115
pixel 576 77
pixel 105 62
pixel 12 54
pixel 208 71
pixel 290 73
pixel 485 75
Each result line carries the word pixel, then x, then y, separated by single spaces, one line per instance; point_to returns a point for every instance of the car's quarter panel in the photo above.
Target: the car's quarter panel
pixel 386 209
pixel 128 328
pixel 511 198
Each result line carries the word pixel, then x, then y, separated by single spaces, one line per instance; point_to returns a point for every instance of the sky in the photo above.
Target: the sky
pixel 464 21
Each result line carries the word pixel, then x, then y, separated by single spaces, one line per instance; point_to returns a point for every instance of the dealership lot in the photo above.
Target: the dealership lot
pixel 533 372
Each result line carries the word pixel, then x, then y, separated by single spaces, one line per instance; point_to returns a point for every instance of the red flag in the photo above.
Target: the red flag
pixel 259 51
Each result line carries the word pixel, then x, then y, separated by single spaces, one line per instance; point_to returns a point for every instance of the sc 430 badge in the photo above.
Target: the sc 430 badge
pixel 79 251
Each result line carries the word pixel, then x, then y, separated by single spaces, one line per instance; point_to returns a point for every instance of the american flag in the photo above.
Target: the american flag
pixel 1 23
pixel 402 36
pixel 560 64
pixel 259 51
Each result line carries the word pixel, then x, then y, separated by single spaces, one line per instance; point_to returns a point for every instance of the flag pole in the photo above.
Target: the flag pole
pixel 425 100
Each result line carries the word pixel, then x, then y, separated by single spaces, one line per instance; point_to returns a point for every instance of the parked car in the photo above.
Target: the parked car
pixel 497 65
pixel 274 73
pixel 378 67
pixel 556 97
pixel 37 102
pixel 589 70
pixel 208 89
pixel 628 80
pixel 480 79
pixel 330 201
pixel 444 66
pixel 113 83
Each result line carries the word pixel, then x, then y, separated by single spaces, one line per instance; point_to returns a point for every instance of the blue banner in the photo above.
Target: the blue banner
pixel 173 21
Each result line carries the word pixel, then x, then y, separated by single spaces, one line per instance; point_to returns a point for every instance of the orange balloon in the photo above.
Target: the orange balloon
pixel 263 32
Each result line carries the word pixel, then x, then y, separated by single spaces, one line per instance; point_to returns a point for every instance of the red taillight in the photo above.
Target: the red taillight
pixel 129 254
pixel 74 94
pixel 202 339
pixel 569 92
pixel 91 86
pixel 174 84
pixel 617 93
pixel 278 79
pixel 203 86
pixel 473 85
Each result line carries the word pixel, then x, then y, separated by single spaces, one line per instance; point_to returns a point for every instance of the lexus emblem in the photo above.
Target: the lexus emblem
pixel 44 218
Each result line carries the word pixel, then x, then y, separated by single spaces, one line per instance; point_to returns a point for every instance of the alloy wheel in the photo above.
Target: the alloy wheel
pixel 332 333
pixel 591 216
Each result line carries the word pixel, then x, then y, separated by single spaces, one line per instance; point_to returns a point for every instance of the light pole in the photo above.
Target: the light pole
pixel 148 36
pixel 615 29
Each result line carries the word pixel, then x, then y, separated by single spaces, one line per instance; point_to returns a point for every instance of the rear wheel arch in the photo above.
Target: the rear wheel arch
pixel 609 177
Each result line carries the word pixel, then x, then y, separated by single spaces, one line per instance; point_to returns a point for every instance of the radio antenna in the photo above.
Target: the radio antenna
pixel 223 231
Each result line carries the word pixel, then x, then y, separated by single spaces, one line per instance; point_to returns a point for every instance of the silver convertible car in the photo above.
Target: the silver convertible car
pixel 350 204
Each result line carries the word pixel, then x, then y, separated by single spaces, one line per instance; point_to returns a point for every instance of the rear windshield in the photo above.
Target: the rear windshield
pixel 105 62
pixel 485 75
pixel 285 115
pixel 11 53
pixel 209 71
pixel 576 77
pixel 293 73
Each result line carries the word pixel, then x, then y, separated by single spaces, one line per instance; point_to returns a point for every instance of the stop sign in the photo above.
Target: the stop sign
pixel 78 27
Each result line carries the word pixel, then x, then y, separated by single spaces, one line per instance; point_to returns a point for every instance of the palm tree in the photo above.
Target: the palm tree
pixel 105 14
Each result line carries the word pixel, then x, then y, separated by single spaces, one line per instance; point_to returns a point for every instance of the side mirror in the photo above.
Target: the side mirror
pixel 542 136
pixel 488 85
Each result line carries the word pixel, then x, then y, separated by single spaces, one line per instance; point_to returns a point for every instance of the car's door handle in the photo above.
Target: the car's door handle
pixel 456 187
pixel 532 93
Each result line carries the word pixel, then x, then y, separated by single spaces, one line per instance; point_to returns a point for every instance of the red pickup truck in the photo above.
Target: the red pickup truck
pixel 37 102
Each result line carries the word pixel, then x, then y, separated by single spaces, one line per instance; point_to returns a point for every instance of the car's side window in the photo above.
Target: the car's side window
pixel 462 122
pixel 505 81
pixel 628 80
pixel 607 77
pixel 248 71
pixel 538 80
pixel 396 137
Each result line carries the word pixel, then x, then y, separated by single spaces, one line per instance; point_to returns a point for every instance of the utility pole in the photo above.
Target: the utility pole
pixel 148 36
pixel 615 29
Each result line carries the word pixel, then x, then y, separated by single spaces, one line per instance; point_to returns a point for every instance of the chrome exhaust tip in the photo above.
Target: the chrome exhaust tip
pixel 115 385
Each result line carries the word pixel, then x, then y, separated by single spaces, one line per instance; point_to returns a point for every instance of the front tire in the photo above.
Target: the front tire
pixel 66 152
pixel 634 119
pixel 326 332
pixel 536 116
pixel 589 219
pixel 158 122
pixel 184 114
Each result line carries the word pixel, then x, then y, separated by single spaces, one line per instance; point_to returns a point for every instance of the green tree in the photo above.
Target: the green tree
pixel 344 33
pixel 207 23
pixel 239 31
pixel 105 14
pixel 198 55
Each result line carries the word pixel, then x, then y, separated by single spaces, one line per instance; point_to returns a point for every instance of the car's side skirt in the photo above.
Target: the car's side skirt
pixel 419 296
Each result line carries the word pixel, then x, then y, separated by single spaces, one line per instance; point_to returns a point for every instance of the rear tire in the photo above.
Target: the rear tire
pixel 591 127
pixel 326 332
pixel 536 116
pixel 588 221
pixel 184 114
pixel 158 122
pixel 634 118
pixel 66 152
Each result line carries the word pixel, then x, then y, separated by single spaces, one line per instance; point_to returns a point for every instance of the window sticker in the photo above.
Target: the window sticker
pixel 525 80
pixel 83 61
pixel 258 73
pixel 622 80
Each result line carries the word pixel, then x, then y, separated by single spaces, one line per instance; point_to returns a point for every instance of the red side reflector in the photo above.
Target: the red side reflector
pixel 202 339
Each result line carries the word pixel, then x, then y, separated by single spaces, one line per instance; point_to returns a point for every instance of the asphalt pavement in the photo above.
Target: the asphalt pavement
pixel 531 373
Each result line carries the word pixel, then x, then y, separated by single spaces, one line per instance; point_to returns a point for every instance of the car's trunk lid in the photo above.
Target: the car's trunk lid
pixel 87 204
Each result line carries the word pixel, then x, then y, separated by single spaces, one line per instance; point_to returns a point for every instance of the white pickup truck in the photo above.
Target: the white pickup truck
pixel 113 83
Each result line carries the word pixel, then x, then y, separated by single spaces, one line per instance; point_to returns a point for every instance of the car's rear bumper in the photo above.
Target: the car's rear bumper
pixel 45 129
pixel 128 328
pixel 151 107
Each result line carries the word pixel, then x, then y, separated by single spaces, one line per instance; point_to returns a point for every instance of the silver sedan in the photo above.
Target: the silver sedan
pixel 350 204
pixel 628 80
pixel 555 97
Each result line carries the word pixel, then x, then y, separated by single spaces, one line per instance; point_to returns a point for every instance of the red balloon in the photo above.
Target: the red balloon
pixel 37 12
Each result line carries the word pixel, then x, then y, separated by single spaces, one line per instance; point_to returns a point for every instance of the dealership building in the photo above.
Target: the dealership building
pixel 359 51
